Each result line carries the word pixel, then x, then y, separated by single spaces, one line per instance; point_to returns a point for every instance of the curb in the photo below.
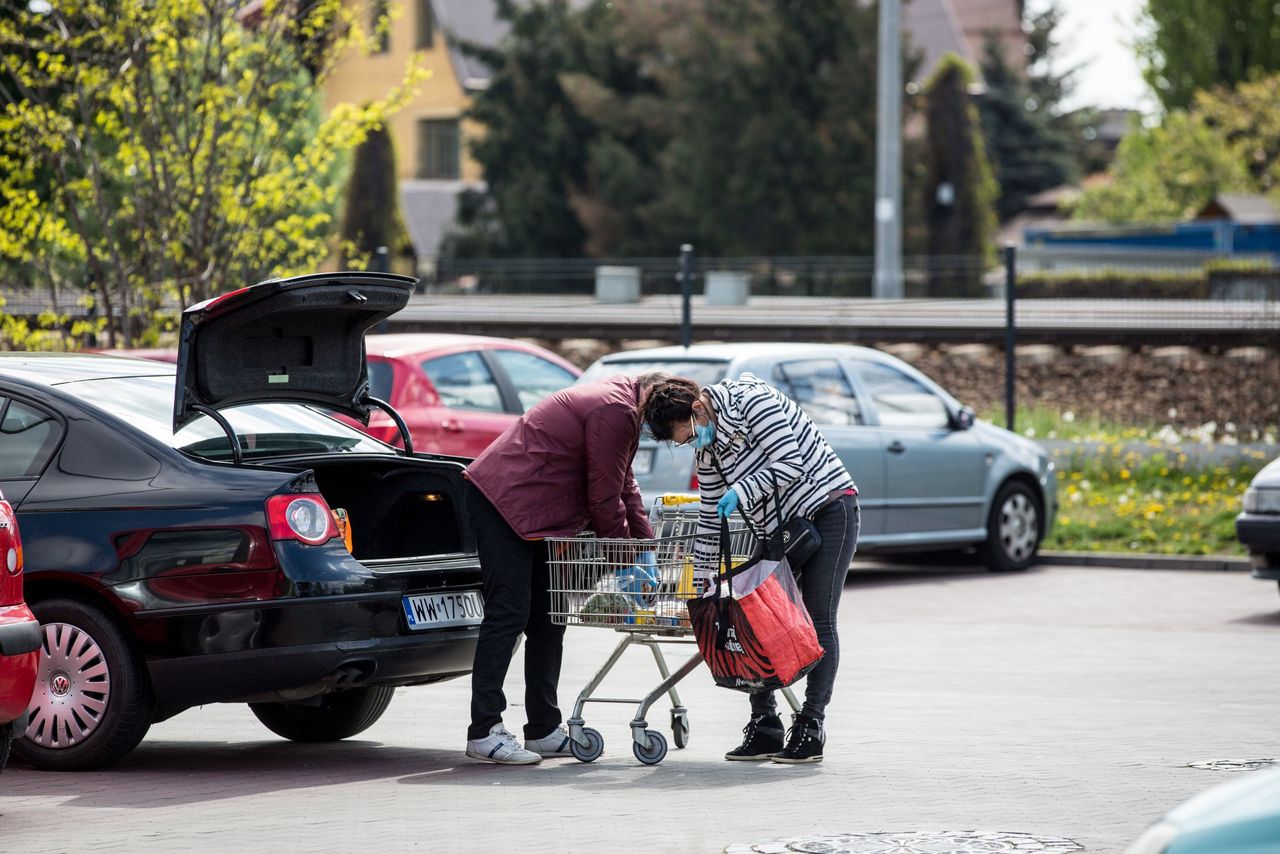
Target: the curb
pixel 1208 563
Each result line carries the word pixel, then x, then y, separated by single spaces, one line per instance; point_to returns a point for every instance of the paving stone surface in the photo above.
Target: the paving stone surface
pixel 1062 704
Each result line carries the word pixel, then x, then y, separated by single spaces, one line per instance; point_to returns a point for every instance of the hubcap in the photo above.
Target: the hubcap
pixel 1019 527
pixel 73 690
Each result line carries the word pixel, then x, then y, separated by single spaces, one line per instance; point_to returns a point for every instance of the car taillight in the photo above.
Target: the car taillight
pixel 13 548
pixel 305 517
pixel 693 481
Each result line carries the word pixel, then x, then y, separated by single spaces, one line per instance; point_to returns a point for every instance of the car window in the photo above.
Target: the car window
pixel 27 438
pixel 821 389
pixel 701 372
pixel 901 400
pixel 264 429
pixel 463 381
pixel 380 374
pixel 533 376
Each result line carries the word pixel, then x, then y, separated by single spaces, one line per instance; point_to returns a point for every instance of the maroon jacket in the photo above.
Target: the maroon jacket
pixel 565 465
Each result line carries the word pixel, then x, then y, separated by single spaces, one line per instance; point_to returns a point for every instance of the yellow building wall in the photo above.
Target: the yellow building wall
pixel 360 77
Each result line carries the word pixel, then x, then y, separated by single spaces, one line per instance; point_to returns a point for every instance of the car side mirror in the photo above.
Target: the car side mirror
pixel 963 418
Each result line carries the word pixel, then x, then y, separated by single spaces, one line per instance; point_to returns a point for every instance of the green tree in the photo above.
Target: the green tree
pixel 1228 141
pixel 767 113
pixel 154 151
pixel 629 127
pixel 372 215
pixel 962 190
pixel 1191 45
pixel 533 148
pixel 1028 152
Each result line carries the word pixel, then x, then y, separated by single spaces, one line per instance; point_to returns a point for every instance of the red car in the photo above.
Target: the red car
pixel 19 637
pixel 457 393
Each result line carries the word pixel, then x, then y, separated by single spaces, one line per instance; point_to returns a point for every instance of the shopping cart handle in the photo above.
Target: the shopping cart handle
pixel 672 499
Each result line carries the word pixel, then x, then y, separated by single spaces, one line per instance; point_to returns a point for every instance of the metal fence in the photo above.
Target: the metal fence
pixel 803 276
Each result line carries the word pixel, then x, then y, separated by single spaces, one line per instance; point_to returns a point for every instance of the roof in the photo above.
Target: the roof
pixel 935 31
pixel 1240 208
pixel 470 21
pixel 51 369
pixel 429 208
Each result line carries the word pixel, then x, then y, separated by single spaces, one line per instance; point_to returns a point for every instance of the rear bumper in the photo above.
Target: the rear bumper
pixel 1260 535
pixel 240 653
pixel 20 643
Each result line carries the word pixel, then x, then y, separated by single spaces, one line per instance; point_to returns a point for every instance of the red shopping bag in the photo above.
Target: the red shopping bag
pixel 752 626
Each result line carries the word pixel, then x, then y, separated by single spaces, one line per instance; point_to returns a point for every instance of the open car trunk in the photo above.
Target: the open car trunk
pixel 398 509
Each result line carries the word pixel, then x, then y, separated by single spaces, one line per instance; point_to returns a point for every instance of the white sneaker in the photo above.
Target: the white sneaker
pixel 501 747
pixel 550 746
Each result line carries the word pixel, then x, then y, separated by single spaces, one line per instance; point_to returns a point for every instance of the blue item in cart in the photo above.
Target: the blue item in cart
pixel 640 579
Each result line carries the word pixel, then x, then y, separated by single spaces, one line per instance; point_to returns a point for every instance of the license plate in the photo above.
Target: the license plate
pixel 441 610
pixel 643 463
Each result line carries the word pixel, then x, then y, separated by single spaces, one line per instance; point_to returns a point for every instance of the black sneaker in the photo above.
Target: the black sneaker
pixel 763 739
pixel 804 742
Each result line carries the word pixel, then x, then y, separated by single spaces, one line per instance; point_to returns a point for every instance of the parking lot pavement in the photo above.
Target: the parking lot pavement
pixel 1062 703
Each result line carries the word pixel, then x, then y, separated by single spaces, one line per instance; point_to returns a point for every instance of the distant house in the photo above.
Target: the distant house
pixel 430 132
pixel 1240 209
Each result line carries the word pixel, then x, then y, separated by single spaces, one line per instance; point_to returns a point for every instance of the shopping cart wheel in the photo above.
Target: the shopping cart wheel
pixel 654 752
pixel 593 748
pixel 680 729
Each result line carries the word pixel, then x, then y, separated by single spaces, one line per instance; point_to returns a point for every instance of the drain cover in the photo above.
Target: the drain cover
pixel 1234 764
pixel 912 842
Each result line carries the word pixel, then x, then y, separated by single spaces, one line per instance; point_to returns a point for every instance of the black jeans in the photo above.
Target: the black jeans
pixel 514 575
pixel 821 579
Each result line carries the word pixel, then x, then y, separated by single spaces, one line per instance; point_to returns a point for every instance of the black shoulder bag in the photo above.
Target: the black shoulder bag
pixel 797 538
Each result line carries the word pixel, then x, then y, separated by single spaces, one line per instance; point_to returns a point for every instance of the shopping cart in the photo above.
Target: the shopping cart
pixel 605 583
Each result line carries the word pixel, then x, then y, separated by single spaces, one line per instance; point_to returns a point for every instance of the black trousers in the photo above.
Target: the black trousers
pixel 514 575
pixel 821 581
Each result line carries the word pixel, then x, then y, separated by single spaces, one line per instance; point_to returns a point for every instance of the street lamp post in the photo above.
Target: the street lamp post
pixel 888 273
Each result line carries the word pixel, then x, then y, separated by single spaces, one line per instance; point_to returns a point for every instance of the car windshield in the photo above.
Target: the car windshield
pixel 701 371
pixel 264 429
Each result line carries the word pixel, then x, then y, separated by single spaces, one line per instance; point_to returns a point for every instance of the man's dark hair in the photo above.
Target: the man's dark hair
pixel 669 402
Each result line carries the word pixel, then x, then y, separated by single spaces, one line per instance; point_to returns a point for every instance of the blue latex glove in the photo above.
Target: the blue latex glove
pixel 727 504
pixel 640 579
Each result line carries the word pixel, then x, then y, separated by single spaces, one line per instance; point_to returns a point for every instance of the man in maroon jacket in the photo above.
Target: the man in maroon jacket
pixel 563 467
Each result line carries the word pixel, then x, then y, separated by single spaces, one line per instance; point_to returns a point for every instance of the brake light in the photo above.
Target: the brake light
pixel 693 481
pixel 13 549
pixel 305 517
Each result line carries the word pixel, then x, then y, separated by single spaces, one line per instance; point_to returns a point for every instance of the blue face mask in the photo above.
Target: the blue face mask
pixel 703 434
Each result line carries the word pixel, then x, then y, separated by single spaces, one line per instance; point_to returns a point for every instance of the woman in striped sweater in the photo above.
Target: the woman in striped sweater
pixel 757 451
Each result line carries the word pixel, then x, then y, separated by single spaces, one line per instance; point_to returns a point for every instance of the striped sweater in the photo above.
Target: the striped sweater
pixel 767 448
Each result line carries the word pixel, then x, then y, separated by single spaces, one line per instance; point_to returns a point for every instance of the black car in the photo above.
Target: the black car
pixel 184 541
pixel 1258 525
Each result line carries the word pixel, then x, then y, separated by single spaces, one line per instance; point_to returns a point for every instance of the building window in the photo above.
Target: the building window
pixel 438 148
pixel 380 25
pixel 426 25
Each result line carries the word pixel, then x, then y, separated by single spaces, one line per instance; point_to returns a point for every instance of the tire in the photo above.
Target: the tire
pixel 594 747
pixel 93 702
pixel 6 742
pixel 654 751
pixel 339 715
pixel 1014 529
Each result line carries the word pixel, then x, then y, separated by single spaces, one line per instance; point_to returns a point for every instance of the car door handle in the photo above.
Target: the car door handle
pixel 897 447
pixel 451 425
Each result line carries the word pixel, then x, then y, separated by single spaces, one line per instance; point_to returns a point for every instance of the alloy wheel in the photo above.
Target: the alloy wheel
pixel 73 689
pixel 1019 526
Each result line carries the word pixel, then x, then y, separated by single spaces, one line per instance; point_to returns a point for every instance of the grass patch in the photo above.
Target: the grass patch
pixel 1118 502
pixel 1156 501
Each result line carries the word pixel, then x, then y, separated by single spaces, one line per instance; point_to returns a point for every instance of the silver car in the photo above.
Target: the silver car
pixel 930 475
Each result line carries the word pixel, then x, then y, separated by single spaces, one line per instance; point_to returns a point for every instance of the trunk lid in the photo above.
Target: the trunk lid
pixel 297 340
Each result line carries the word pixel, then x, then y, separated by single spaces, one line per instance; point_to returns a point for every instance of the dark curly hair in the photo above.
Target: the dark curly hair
pixel 669 403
